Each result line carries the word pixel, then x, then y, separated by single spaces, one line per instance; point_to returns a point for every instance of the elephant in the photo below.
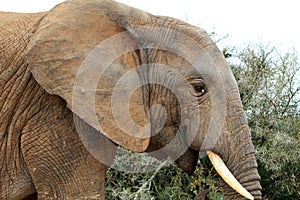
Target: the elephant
pixel 88 76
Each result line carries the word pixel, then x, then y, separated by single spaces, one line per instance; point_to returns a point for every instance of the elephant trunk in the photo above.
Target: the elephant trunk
pixel 242 163
pixel 237 151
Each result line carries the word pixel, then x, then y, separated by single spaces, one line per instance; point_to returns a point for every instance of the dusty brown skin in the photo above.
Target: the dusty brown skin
pixel 41 154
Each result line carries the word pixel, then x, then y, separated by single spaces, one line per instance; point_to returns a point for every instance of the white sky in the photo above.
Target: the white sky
pixel 245 21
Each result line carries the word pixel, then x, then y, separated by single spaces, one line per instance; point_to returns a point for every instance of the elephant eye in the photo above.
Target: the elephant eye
pixel 200 89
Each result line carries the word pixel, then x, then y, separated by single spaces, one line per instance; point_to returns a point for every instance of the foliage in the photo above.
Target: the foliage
pixel 167 181
pixel 270 91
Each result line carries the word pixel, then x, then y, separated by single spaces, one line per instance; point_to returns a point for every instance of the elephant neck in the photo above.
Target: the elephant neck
pixel 17 87
pixel 16 31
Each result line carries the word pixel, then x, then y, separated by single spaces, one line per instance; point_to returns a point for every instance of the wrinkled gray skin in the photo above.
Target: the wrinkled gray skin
pixel 41 154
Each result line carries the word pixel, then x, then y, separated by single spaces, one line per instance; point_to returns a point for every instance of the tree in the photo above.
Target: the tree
pixel 270 92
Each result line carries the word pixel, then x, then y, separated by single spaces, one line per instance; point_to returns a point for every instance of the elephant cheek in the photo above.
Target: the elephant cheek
pixel 204 120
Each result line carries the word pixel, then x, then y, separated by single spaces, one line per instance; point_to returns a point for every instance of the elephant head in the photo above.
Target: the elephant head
pixel 147 83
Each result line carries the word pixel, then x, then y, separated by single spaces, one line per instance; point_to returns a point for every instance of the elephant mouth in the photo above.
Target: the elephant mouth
pixel 226 175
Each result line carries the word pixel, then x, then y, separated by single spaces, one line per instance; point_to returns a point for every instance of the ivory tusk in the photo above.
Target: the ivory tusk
pixel 227 176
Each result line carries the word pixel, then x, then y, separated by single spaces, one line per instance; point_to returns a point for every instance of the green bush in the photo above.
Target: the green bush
pixel 269 85
pixel 167 181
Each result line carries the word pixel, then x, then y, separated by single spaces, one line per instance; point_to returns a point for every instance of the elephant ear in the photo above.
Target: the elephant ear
pixel 80 53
